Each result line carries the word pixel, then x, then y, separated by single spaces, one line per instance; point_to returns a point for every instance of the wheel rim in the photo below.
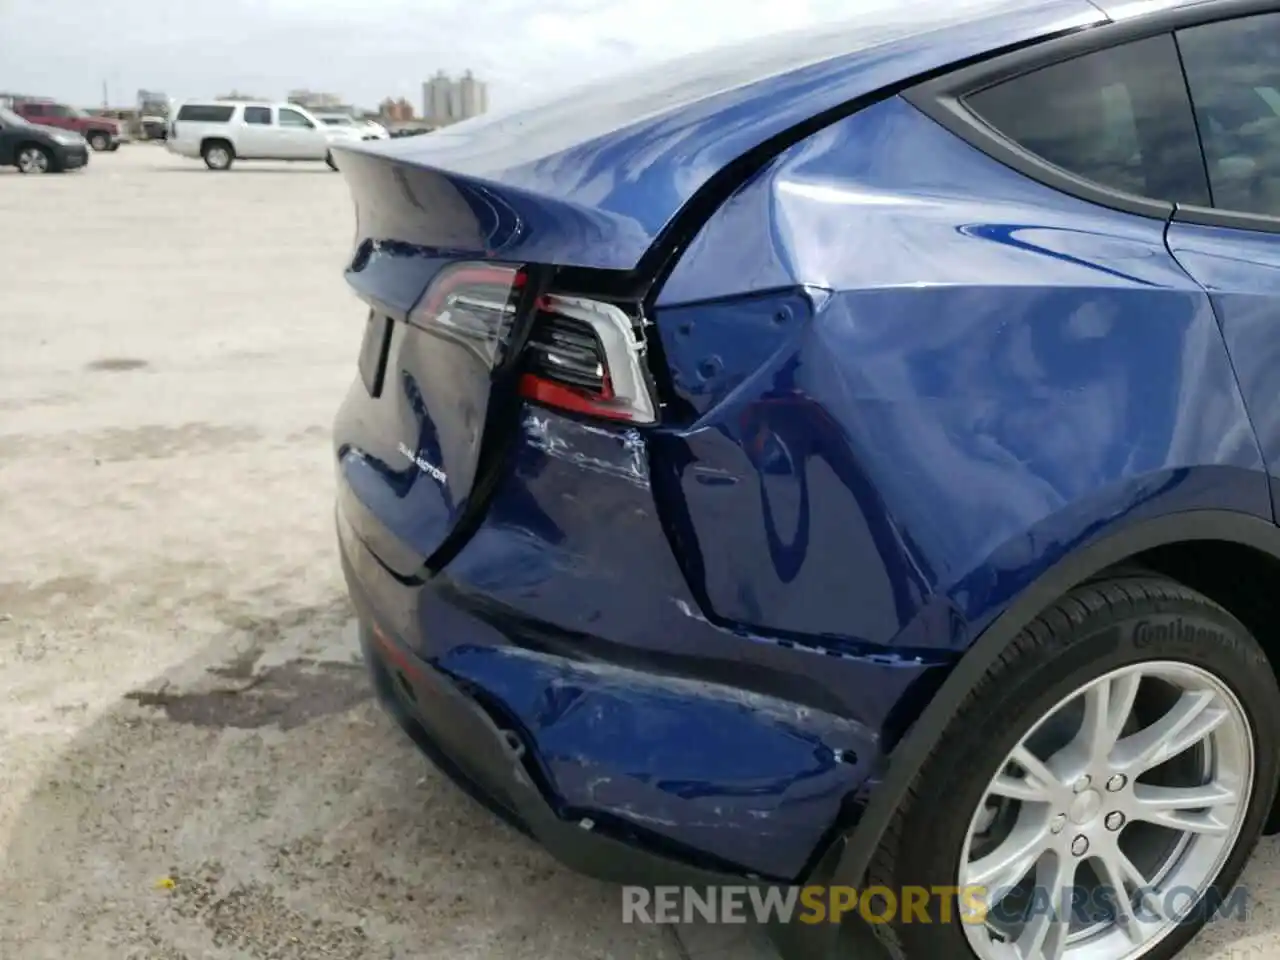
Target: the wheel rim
pixel 218 157
pixel 98 142
pixel 1137 783
pixel 32 160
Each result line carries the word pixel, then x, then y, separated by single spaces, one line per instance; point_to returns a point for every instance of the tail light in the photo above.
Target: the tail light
pixel 585 356
pixel 474 305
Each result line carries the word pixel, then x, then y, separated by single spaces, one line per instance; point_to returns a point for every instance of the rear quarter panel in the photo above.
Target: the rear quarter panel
pixel 982 375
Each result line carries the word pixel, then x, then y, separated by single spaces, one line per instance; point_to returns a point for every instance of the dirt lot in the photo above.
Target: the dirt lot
pixel 190 764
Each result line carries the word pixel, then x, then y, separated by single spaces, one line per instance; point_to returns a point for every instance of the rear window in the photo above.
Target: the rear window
pixel 206 113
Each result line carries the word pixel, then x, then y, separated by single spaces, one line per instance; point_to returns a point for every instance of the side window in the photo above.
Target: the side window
pixel 1233 70
pixel 33 109
pixel 1118 117
pixel 206 113
pixel 292 118
pixel 258 115
pixel 56 110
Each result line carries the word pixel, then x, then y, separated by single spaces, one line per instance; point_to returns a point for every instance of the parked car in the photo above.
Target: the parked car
pixel 222 133
pixel 154 127
pixel 365 128
pixel 101 133
pixel 848 459
pixel 37 149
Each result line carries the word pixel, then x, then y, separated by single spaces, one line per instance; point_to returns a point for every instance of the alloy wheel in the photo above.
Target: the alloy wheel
pixel 1111 818
pixel 33 160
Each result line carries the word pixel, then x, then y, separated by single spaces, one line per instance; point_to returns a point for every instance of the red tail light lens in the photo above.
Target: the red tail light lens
pixel 473 304
pixel 587 357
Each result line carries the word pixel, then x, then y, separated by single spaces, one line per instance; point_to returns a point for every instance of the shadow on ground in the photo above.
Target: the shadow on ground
pixel 254 803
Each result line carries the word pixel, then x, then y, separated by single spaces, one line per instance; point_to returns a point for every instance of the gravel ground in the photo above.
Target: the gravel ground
pixel 190 763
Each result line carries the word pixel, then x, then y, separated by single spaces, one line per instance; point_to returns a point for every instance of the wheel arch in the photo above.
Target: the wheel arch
pixel 206 142
pixel 1245 547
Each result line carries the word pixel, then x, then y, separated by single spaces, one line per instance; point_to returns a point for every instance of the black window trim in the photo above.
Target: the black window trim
pixel 941 100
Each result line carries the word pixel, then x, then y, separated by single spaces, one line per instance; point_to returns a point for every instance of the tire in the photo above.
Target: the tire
pixel 31 159
pixel 328 158
pixel 218 155
pixel 114 147
pixel 1119 629
pixel 99 141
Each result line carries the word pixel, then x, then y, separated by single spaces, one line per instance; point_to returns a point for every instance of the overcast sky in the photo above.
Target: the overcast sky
pixel 363 49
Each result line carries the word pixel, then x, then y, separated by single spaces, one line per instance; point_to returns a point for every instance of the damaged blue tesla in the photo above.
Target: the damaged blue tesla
pixel 850 458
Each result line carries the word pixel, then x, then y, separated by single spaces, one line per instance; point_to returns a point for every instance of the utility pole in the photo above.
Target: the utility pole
pixel 105 102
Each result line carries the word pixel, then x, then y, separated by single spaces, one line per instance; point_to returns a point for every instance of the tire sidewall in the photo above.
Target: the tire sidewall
pixel 208 151
pixel 1210 639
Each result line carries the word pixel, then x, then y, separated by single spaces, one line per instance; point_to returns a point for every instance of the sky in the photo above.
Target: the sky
pixel 364 50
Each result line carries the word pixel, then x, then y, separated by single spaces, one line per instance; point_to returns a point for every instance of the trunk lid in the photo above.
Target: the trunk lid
pixel 411 434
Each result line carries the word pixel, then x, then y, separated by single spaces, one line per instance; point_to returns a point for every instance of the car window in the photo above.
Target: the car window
pixel 258 115
pixel 1233 70
pixel 292 118
pixel 33 109
pixel 56 110
pixel 1118 117
pixel 206 112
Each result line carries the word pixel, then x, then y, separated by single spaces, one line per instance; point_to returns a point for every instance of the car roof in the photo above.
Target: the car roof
pixel 1128 9
pixel 238 103
pixel 637 147
pixel 815 69
pixel 883 41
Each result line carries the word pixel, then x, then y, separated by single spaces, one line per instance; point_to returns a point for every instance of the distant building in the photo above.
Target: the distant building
pixel 446 101
pixel 474 96
pixel 396 111
pixel 312 100
pixel 321 102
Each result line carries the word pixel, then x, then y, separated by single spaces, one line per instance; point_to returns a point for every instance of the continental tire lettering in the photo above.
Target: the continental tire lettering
pixel 1147 633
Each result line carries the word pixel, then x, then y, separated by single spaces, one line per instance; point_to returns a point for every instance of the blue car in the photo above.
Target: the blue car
pixel 847 459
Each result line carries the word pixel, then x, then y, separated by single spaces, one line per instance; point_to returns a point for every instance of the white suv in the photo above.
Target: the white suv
pixel 367 129
pixel 221 133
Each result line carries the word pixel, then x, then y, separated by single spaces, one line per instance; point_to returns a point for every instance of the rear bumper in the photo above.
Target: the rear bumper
pixel 489 763
pixel 623 774
pixel 182 148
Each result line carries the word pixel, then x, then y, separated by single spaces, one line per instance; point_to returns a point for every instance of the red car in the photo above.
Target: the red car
pixel 103 133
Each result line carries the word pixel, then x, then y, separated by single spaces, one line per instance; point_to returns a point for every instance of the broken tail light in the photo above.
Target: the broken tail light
pixel 474 305
pixel 584 356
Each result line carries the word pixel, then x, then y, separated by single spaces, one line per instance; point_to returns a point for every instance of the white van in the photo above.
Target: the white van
pixel 222 132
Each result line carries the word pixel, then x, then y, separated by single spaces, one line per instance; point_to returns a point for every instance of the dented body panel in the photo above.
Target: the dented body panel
pixel 568 616
pixel 899 383
pixel 980 385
